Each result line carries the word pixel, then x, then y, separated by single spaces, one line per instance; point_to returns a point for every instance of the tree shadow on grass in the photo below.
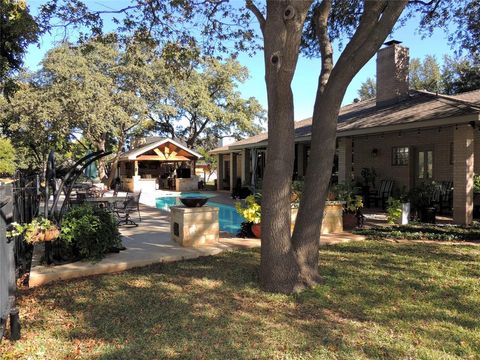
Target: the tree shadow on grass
pixel 212 307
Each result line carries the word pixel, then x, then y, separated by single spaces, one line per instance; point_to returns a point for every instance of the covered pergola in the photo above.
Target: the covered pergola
pixel 158 163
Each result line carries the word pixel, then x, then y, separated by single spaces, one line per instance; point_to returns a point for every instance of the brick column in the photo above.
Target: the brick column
pixel 463 156
pixel 344 159
pixel 219 171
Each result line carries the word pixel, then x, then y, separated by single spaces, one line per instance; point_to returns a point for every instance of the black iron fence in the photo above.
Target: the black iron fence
pixel 7 266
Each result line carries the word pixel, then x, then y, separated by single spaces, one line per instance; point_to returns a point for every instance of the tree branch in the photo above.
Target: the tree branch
pixel 258 14
pixel 321 22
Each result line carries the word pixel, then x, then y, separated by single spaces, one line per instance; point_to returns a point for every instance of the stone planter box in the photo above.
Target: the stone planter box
pixel 194 226
pixel 332 222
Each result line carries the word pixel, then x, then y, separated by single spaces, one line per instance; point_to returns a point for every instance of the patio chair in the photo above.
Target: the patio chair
pixel 383 193
pixel 130 206
pixel 444 196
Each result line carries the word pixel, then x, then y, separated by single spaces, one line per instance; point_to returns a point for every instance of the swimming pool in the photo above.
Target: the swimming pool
pixel 228 218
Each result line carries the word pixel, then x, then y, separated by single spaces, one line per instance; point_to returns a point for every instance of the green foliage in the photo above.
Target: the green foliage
pixel 421 196
pixel 90 232
pixel 460 74
pixel 34 231
pixel 251 211
pixel 476 184
pixel 297 191
pixel 394 210
pixel 349 194
pixel 423 232
pixel 7 157
pixel 368 89
pixel 369 175
pixel 425 75
pixel 18 29
pixel 197 99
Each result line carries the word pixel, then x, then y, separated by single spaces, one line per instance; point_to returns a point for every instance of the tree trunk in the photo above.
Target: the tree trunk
pixel 282 34
pixel 291 263
pixel 368 38
pixel 113 172
pixel 100 145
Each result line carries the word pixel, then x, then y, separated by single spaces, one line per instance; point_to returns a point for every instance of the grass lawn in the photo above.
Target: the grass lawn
pixel 378 300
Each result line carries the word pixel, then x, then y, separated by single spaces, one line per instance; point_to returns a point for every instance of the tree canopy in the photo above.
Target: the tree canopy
pixel 18 29
pixel 7 157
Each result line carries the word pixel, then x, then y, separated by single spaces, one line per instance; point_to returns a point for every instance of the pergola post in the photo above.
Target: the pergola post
pixel 220 172
pixel 463 161
pixel 245 175
pixel 301 159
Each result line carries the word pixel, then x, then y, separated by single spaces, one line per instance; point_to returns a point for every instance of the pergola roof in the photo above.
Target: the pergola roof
pixel 161 150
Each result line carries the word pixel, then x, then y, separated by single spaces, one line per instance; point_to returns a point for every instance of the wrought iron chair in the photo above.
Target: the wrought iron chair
pixel 130 205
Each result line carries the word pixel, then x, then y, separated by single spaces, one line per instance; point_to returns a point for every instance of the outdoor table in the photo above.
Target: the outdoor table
pixel 107 201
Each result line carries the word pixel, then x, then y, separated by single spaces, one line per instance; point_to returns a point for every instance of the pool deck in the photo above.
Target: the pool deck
pixel 150 243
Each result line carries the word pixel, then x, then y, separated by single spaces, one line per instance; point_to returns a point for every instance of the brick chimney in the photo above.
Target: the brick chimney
pixel 392 73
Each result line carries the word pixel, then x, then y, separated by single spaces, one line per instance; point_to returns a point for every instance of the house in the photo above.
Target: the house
pixel 407 136
pixel 158 163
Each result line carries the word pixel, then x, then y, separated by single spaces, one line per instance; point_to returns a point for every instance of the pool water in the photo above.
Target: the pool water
pixel 228 218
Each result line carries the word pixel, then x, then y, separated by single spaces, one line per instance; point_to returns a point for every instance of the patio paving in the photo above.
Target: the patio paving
pixel 150 243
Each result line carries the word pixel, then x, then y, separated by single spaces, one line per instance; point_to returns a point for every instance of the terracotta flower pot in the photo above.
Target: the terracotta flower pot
pixel 257 230
pixel 349 221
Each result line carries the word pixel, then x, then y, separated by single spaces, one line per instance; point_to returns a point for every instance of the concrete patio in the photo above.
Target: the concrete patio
pixel 150 243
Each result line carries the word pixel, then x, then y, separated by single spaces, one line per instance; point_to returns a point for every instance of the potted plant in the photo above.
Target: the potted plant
pixel 398 211
pixel 251 212
pixel 422 198
pixel 38 230
pixel 476 195
pixel 352 204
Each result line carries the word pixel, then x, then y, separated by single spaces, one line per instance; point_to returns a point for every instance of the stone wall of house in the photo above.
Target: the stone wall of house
pixel 440 141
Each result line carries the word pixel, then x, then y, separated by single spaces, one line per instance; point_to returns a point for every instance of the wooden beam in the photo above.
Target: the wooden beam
pixel 162 158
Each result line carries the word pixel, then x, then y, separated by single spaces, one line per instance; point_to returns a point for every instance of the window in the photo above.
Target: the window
pixel 399 156
pixel 425 164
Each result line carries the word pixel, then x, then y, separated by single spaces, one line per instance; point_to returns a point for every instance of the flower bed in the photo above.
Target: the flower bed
pixel 423 232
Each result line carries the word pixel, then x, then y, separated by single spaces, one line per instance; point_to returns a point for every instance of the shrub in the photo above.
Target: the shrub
pixel 251 212
pixel 394 210
pixel 90 232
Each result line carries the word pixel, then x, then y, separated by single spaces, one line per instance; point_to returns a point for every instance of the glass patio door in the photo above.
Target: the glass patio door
pixel 424 165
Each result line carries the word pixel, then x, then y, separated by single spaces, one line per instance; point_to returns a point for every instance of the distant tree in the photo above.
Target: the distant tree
pixel 425 75
pixel 368 89
pixel 460 75
pixel 18 29
pixel 7 157
pixel 196 99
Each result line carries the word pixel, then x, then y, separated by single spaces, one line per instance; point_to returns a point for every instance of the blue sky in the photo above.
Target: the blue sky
pixel 306 76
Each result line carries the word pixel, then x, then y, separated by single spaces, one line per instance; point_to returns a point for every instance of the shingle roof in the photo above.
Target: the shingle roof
pixel 151 144
pixel 419 106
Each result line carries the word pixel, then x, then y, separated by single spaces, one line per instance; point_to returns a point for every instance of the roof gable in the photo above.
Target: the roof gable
pixel 150 149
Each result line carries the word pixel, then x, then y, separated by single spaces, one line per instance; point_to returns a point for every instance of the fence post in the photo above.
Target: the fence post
pixel 7 266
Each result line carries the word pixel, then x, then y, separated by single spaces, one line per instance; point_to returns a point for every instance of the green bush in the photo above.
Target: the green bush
pixel 394 210
pixel 89 232
pixel 423 232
